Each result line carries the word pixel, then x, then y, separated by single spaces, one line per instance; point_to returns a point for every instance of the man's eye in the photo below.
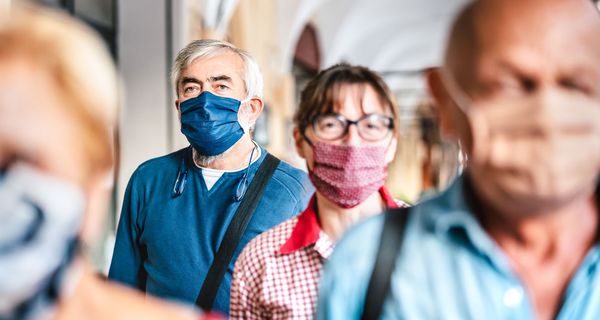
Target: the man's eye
pixel 189 89
pixel 222 87
pixel 574 85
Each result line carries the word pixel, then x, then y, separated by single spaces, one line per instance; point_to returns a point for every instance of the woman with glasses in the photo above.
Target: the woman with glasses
pixel 346 130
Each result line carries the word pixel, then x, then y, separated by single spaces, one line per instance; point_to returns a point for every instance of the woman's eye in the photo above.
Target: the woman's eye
pixel 326 126
pixel 375 125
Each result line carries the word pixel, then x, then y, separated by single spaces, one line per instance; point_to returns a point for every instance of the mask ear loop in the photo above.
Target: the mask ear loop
pixel 242 102
pixel 303 129
pixel 242 186
pixel 392 135
pixel 477 123
pixel 387 147
pixel 179 185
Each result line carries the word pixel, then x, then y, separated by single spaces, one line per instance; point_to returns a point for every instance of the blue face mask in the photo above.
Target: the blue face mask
pixel 210 123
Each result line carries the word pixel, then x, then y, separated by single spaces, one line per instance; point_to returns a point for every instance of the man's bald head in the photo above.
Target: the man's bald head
pixel 520 56
pixel 507 30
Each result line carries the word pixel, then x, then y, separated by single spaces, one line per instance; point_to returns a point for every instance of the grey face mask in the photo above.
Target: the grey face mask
pixel 40 218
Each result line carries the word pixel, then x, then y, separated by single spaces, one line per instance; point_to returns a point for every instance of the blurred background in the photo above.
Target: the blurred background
pixel 291 40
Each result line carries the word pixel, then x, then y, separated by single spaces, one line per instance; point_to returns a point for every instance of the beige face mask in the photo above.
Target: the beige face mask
pixel 538 152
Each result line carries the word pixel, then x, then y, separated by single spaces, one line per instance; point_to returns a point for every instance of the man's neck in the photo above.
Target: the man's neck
pixel 545 250
pixel 575 223
pixel 334 221
pixel 237 157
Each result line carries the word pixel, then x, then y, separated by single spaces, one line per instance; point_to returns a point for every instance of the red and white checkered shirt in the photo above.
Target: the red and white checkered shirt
pixel 277 274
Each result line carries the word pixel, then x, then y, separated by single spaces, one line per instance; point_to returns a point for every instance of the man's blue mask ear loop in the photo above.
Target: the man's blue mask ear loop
pixel 243 184
pixel 179 185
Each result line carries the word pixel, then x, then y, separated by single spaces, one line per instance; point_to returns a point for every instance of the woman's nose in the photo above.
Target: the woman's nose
pixel 352 137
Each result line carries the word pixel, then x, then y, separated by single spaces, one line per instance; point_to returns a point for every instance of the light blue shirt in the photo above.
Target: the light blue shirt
pixel 449 268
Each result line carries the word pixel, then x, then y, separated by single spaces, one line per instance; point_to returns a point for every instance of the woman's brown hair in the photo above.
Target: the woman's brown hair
pixel 322 92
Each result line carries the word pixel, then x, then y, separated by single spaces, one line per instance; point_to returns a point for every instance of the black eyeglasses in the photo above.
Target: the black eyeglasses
pixel 371 127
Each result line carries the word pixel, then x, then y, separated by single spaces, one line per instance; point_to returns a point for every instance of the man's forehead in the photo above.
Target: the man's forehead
pixel 494 26
pixel 218 65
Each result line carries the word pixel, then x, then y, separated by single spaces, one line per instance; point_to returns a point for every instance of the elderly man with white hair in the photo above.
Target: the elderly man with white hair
pixel 187 215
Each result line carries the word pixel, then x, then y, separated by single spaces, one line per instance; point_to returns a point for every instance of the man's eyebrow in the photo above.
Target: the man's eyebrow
pixel 220 78
pixel 185 80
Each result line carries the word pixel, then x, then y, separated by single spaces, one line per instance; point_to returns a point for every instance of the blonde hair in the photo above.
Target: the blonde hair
pixel 80 67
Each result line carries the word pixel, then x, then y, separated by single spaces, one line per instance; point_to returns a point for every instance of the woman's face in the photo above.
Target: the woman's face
pixel 36 129
pixel 354 102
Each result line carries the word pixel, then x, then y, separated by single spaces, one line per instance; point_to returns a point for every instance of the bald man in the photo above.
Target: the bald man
pixel 516 236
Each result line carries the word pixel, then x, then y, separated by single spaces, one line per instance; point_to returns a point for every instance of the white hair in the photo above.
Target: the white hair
pixel 207 47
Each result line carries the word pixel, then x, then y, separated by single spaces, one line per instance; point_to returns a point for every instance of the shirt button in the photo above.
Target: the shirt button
pixel 513 297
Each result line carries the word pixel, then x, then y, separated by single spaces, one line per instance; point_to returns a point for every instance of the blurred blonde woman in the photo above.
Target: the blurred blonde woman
pixel 58 104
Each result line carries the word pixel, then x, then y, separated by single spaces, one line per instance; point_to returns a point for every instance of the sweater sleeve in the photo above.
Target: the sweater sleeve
pixel 128 256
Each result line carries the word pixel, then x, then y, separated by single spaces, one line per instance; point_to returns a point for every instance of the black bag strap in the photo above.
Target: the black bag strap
pixel 389 249
pixel 234 232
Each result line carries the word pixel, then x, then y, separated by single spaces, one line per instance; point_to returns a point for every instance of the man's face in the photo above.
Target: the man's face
pixel 520 50
pixel 516 62
pixel 221 74
pixel 522 64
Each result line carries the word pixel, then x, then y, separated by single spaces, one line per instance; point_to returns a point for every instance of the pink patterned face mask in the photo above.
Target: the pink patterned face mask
pixel 348 175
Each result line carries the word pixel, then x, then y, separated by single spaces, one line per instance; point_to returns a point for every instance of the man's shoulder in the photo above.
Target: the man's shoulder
pixel 161 164
pixel 372 227
pixel 292 177
pixel 353 247
pixel 348 270
pixel 266 245
pixel 353 240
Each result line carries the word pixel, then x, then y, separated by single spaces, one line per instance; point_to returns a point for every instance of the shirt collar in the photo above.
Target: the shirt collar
pixel 461 204
pixel 452 214
pixel 307 230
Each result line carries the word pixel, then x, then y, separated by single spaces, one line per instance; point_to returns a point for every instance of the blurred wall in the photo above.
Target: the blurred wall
pixel 142 53
pixel 151 32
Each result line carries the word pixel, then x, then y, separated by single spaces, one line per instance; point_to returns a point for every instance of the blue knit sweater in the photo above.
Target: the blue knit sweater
pixel 165 245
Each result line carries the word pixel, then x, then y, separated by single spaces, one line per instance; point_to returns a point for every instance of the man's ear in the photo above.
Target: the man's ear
pixel 178 107
pixel 253 109
pixel 299 142
pixel 442 102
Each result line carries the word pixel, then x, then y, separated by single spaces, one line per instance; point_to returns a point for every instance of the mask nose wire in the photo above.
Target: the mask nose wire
pixel 460 97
